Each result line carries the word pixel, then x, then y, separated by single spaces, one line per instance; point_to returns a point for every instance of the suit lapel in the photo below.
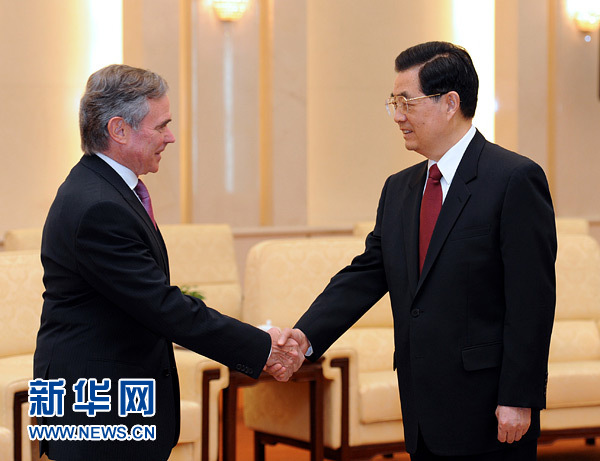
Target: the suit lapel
pixel 165 253
pixel 410 217
pixel 112 177
pixel 457 198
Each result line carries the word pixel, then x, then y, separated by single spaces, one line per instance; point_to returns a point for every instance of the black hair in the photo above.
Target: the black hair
pixel 445 67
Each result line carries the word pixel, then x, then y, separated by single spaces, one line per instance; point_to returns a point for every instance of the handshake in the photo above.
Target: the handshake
pixel 287 352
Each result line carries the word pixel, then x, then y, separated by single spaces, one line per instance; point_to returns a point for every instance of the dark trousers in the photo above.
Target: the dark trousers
pixel 519 451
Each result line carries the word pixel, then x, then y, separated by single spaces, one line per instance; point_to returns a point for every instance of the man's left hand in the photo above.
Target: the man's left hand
pixel 513 423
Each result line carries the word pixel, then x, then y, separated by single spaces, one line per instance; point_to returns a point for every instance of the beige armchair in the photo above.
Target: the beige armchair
pixel 573 400
pixel 27 238
pixel 202 258
pixel 20 306
pixel 21 291
pixel 572 226
pixel 5 443
pixel 362 228
pixel 361 404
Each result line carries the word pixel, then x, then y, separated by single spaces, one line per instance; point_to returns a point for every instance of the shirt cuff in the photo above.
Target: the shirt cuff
pixel 309 352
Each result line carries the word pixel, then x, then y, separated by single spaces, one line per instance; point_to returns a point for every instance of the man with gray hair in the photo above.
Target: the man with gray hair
pixel 110 314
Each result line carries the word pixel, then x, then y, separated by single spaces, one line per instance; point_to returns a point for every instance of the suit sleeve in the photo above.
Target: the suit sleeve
pixel 528 247
pixel 114 255
pixel 349 294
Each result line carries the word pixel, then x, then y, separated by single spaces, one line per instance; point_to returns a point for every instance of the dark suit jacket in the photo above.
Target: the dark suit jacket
pixel 473 330
pixel 109 312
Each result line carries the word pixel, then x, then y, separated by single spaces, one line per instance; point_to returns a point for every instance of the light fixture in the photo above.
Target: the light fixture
pixel 585 13
pixel 230 10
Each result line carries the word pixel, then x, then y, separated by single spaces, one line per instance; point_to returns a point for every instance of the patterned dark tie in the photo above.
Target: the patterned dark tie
pixel 430 209
pixel 142 191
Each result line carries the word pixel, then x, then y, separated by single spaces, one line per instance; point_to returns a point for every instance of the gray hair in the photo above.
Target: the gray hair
pixel 115 91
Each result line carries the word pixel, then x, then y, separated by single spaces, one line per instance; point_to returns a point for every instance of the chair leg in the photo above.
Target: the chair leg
pixel 259 448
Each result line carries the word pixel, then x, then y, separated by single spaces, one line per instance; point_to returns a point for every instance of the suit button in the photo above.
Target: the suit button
pixel 415 313
pixel 166 372
pixel 239 367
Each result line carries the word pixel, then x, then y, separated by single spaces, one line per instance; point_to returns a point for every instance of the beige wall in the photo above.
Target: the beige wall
pixel 353 145
pixel 312 143
pixel 44 54
pixel 576 128
pixel 549 100
pixel 522 79
pixel 249 165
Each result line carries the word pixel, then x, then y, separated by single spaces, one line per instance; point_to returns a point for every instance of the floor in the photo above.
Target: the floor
pixel 562 450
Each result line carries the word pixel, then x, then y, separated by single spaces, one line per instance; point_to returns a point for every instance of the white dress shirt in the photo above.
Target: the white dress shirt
pixel 448 164
pixel 128 176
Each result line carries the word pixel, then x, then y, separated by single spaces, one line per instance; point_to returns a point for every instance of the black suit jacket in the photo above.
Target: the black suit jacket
pixel 473 331
pixel 110 312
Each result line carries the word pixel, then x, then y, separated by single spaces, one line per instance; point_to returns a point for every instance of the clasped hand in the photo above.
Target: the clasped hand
pixel 287 353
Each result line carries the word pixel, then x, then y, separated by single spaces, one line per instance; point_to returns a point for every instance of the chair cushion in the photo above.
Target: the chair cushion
pixel 191 416
pixel 29 238
pixel 570 418
pixel 572 226
pixel 574 340
pixel 21 291
pixel 374 347
pixel 573 384
pixel 6 449
pixel 379 398
pixel 183 452
pixel 577 278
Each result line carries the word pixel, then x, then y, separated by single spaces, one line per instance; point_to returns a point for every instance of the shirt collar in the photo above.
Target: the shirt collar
pixel 449 162
pixel 128 176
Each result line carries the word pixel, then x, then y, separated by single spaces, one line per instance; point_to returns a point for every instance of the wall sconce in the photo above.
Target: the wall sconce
pixel 230 10
pixel 585 13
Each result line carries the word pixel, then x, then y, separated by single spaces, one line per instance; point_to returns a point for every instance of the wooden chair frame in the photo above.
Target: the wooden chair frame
pixel 345 451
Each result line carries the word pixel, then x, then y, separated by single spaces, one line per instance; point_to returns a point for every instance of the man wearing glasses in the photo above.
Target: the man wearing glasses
pixel 465 243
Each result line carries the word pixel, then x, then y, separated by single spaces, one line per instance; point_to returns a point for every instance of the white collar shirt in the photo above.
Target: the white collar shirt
pixel 449 162
pixel 128 176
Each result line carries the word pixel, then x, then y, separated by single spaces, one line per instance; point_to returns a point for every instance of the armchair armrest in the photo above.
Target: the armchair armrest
pixel 15 373
pixel 340 365
pixel 201 380
pixel 5 443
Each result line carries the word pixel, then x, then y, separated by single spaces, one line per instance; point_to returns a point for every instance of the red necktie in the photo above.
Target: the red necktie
pixel 430 209
pixel 142 191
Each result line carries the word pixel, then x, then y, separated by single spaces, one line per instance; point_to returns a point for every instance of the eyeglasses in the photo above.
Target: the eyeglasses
pixel 400 103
